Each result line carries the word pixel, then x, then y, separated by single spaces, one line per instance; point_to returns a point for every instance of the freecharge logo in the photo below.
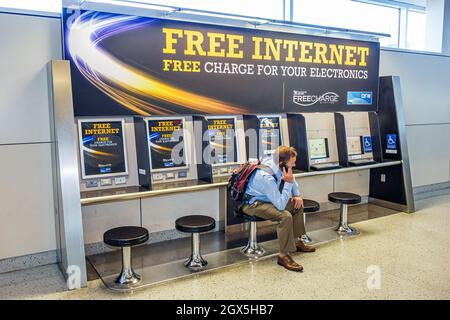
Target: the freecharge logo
pixel 302 98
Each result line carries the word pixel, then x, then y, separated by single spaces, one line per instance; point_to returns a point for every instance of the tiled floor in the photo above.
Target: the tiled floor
pixel 409 250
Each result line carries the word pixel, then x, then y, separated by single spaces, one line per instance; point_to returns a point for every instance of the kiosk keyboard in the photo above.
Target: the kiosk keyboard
pixel 361 162
pixel 325 166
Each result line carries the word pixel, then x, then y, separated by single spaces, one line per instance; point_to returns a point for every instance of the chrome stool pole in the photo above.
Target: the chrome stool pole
pixel 343 227
pixel 305 238
pixel 127 275
pixel 196 260
pixel 252 248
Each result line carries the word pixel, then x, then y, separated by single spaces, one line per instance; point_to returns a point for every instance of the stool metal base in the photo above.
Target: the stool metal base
pixel 195 261
pixel 343 227
pixel 253 249
pixel 349 231
pixel 127 276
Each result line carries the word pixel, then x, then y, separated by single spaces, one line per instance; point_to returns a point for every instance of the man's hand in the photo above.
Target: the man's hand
pixel 288 176
pixel 298 202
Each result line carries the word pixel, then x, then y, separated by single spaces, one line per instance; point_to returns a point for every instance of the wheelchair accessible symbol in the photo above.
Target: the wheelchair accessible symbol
pixel 391 141
pixel 367 144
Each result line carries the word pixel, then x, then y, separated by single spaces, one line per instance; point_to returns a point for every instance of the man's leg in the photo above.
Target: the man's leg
pixel 285 230
pixel 297 219
pixel 298 227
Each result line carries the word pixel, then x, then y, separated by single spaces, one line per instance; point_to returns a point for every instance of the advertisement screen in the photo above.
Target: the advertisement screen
pixel 166 143
pixel 270 135
pixel 222 140
pixel 102 148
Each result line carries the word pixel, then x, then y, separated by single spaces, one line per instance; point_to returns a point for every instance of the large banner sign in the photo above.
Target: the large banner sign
pixel 102 148
pixel 128 65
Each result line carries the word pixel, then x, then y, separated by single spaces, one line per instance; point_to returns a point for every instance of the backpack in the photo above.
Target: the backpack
pixel 237 184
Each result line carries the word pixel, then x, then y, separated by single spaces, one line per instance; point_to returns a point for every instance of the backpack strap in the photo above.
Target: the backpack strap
pixel 268 170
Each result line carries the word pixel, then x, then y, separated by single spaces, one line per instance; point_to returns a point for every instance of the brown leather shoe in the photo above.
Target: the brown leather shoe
pixel 289 263
pixel 301 247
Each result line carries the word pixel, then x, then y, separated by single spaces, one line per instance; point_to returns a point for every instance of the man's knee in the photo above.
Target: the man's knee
pixel 286 216
pixel 296 211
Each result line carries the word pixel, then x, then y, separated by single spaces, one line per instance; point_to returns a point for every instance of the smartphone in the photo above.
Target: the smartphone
pixel 283 165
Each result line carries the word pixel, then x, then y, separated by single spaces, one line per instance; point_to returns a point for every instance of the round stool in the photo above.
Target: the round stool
pixel 125 238
pixel 344 199
pixel 252 249
pixel 195 224
pixel 309 206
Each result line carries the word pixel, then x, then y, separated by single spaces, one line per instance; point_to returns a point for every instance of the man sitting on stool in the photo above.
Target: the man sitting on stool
pixel 273 195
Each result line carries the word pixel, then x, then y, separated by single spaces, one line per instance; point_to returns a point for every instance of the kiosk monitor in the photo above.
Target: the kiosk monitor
pixel 318 148
pixel 354 146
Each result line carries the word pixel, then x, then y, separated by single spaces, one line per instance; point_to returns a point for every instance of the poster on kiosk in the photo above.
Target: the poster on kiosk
pixel 270 135
pixel 166 143
pixel 222 140
pixel 102 148
pixel 222 145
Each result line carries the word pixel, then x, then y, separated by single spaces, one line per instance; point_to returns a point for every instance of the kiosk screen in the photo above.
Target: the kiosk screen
pixel 318 148
pixel 270 136
pixel 102 148
pixel 354 146
pixel 222 140
pixel 166 143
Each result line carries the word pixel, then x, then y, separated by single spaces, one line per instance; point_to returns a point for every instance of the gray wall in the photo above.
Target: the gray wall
pixel 425 84
pixel 27 215
pixel 26 212
pixel 446 29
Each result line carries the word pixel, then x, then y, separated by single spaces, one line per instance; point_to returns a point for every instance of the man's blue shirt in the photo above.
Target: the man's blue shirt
pixel 263 186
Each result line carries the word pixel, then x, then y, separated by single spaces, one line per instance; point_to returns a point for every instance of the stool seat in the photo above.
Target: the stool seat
pixel 344 197
pixel 239 214
pixel 125 236
pixel 310 206
pixel 195 224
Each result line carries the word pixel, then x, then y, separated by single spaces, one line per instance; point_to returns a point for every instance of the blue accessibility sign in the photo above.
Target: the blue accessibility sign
pixel 391 141
pixel 367 144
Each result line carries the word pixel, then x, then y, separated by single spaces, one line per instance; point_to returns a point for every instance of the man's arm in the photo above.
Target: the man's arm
pixel 295 191
pixel 279 200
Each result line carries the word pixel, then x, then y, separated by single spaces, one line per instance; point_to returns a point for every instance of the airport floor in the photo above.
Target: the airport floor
pixel 399 256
